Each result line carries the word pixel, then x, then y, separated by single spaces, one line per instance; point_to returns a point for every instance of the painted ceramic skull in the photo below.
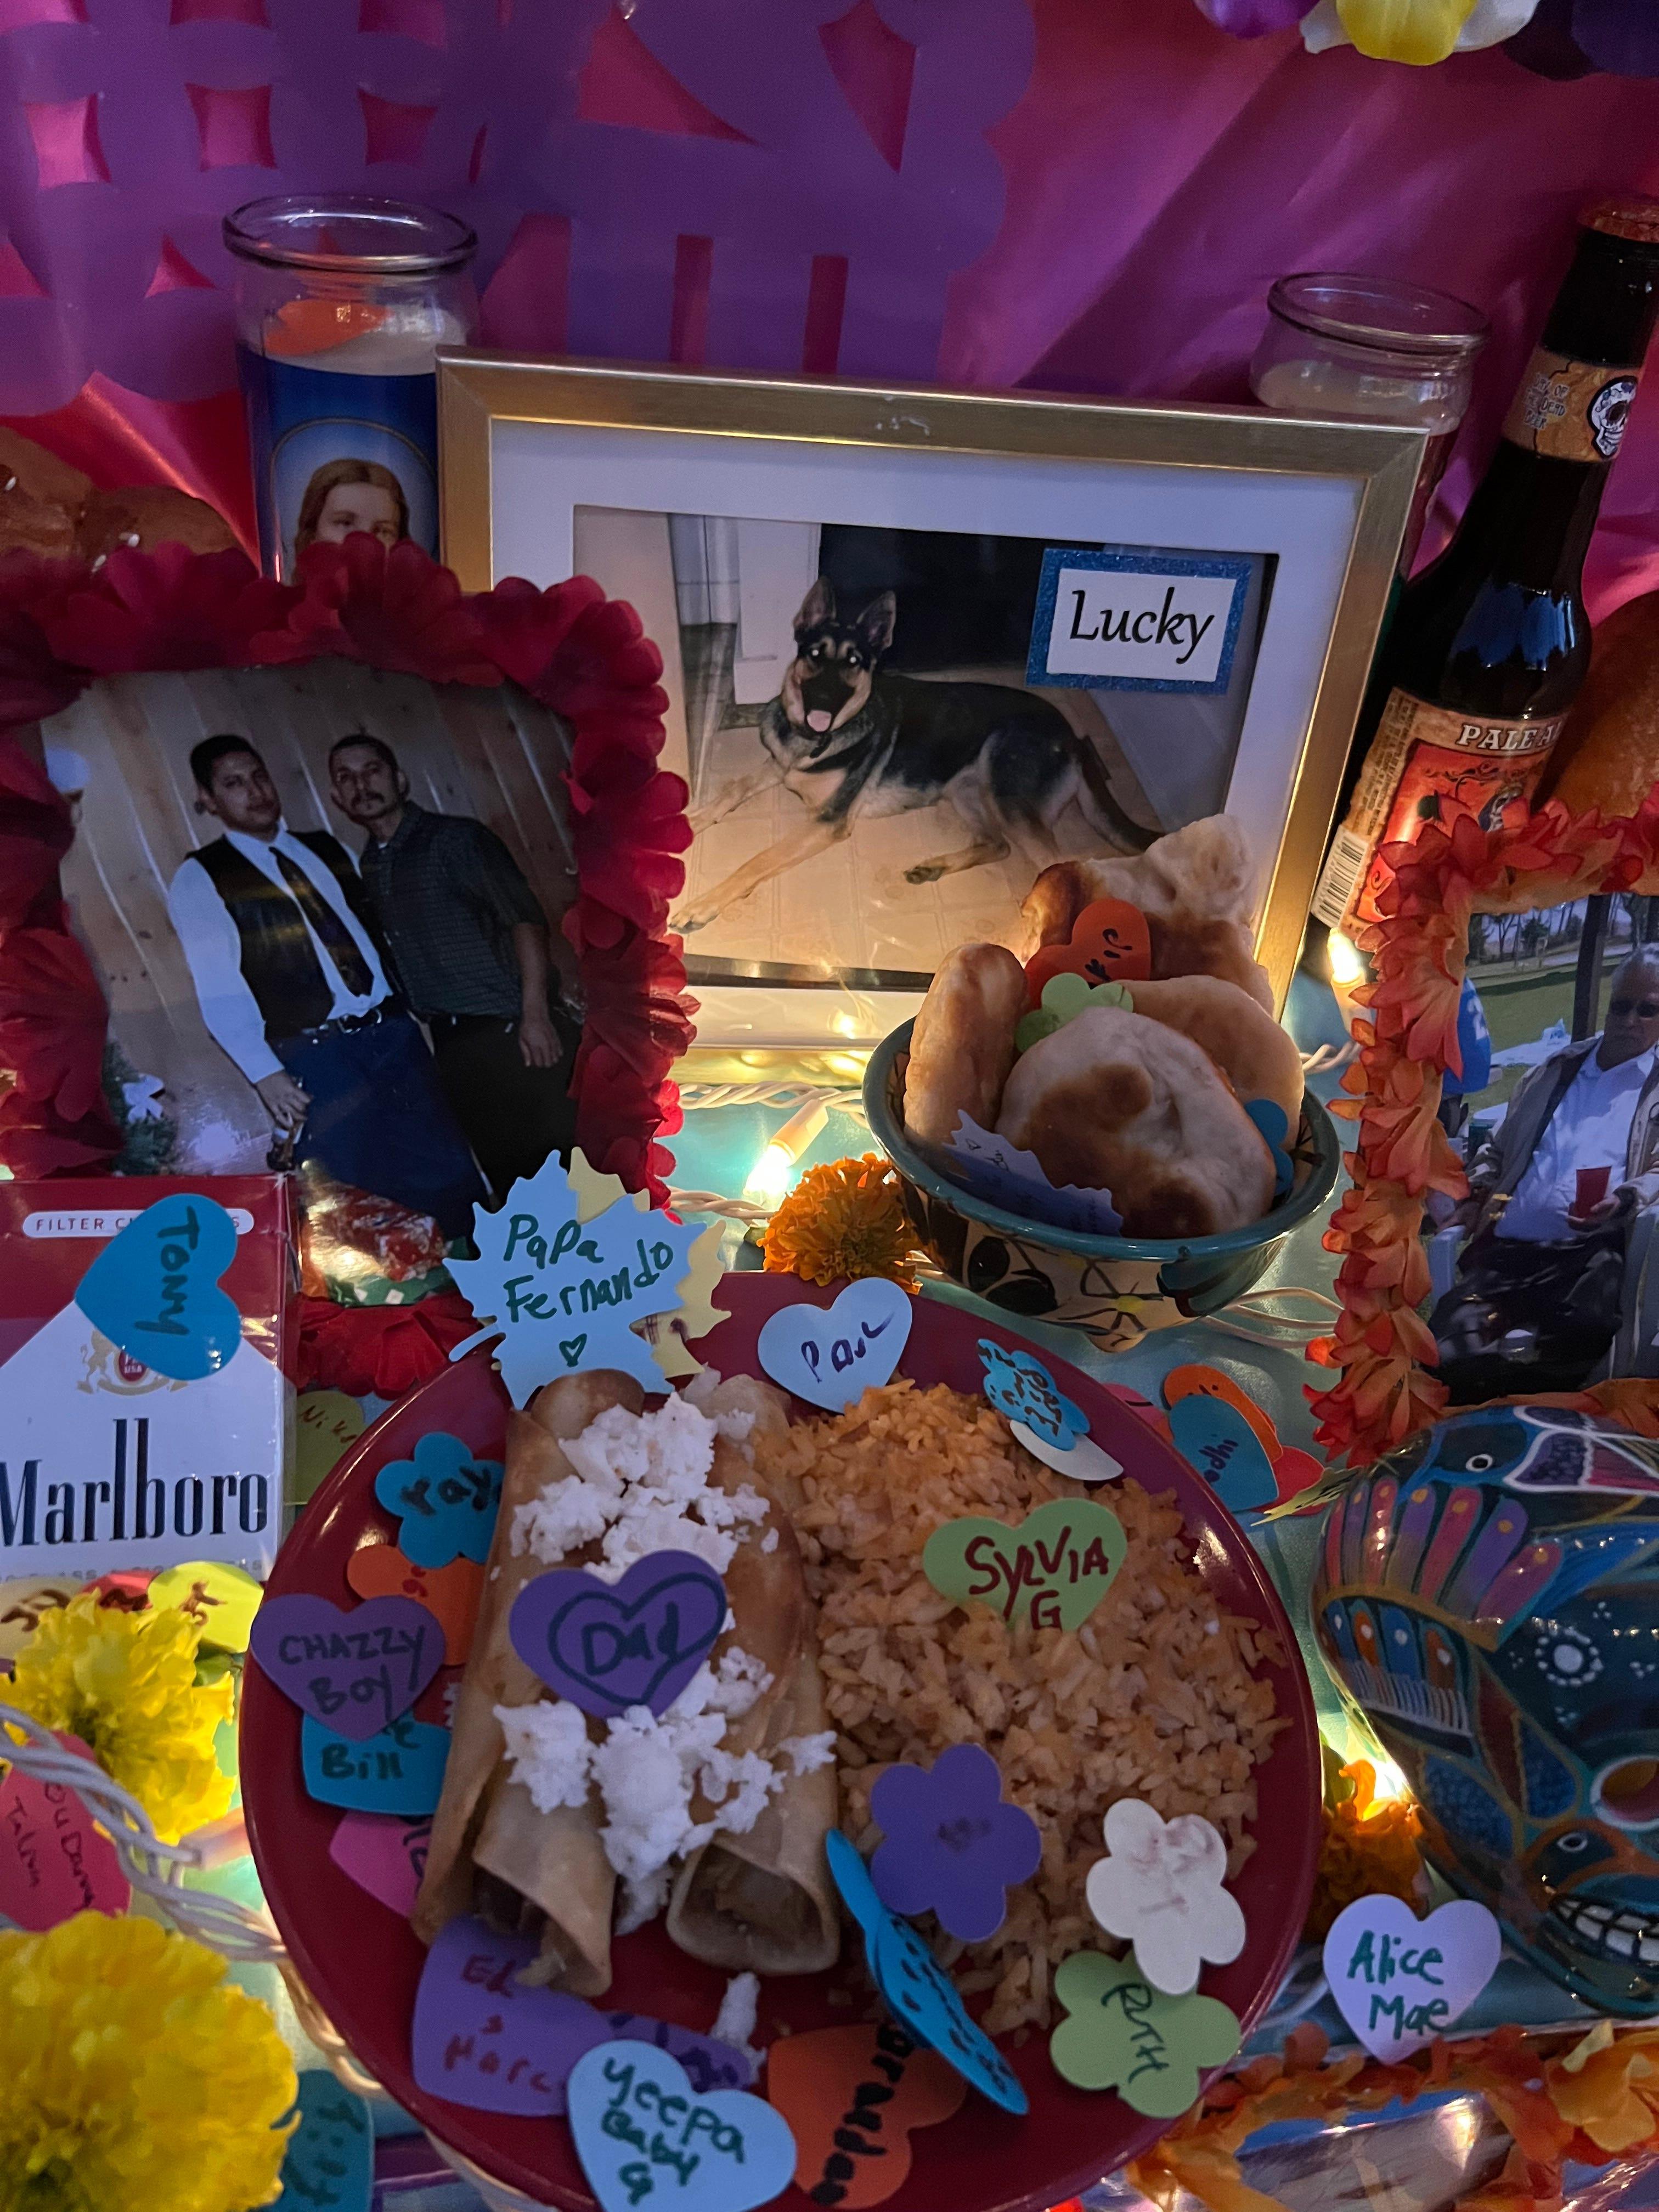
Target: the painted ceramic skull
pixel 1488 1596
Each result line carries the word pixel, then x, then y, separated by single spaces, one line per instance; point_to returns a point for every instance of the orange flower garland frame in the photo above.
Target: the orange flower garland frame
pixel 1381 1347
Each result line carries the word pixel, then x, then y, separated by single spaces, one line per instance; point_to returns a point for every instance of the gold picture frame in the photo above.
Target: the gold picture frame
pixel 1331 500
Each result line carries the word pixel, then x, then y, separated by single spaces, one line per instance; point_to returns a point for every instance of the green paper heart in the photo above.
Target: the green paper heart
pixel 1064 998
pixel 1052 1571
pixel 1125 2035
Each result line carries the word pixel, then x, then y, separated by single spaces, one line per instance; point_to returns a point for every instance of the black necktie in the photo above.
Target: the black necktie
pixel 332 932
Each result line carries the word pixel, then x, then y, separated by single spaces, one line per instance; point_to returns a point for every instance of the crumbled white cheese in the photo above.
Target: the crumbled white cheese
pixel 640 1485
pixel 647 1770
pixel 548 1744
pixel 807 1753
pixel 734 2023
pixel 642 1901
pixel 769 1540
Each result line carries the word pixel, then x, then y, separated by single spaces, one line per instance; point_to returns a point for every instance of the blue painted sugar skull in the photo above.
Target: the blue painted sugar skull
pixel 1488 1596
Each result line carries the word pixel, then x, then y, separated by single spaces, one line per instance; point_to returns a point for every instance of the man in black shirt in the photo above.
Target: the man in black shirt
pixel 468 942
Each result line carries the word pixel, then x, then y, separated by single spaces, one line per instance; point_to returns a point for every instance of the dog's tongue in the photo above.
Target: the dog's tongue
pixel 817 719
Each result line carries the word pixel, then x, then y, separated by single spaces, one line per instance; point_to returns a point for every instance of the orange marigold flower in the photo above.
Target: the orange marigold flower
pixel 845 1219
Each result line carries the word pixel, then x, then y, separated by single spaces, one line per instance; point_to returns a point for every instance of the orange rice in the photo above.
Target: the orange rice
pixel 1154 1696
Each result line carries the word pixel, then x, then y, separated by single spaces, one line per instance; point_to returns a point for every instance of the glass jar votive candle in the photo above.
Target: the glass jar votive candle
pixel 1372 350
pixel 342 303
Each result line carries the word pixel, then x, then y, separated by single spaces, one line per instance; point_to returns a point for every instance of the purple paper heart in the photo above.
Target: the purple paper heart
pixel 481 2038
pixel 709 2065
pixel 354 1672
pixel 637 1641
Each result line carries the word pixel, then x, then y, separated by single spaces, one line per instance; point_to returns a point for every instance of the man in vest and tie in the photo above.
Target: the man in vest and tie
pixel 292 988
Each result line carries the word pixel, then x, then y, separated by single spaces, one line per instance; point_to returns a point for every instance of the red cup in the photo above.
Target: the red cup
pixel 1591 1190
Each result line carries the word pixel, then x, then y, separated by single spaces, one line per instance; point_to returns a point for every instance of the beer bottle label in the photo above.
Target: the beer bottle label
pixel 1573 410
pixel 1427 764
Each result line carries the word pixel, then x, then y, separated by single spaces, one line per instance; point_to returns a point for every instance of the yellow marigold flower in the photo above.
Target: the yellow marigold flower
pixel 133 2076
pixel 846 1219
pixel 125 1684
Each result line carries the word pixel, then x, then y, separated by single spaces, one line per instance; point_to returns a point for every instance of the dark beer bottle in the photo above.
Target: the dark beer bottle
pixel 1490 644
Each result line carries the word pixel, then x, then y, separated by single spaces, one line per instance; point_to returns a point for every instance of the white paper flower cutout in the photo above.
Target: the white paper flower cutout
pixel 1162 1890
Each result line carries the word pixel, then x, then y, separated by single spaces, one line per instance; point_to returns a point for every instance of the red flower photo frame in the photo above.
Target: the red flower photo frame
pixel 1381 1347
pixel 63 626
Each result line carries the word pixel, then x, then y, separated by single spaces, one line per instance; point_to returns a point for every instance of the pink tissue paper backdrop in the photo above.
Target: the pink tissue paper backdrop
pixel 1082 195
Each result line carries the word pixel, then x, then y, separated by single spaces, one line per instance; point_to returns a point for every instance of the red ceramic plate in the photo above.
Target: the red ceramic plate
pixel 362 1963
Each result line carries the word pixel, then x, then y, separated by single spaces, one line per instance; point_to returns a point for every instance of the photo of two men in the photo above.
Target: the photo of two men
pixel 365 927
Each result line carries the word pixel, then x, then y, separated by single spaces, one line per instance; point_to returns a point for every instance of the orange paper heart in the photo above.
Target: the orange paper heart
pixel 852 2095
pixel 451 1593
pixel 1194 1381
pixel 1109 943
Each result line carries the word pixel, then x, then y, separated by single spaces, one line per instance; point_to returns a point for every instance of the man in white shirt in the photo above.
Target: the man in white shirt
pixel 291 986
pixel 1552 1195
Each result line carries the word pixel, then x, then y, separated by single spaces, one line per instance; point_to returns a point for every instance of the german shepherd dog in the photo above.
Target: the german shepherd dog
pixel 853 744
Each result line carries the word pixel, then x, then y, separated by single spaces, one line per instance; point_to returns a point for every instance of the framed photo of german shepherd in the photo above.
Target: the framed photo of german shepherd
pixel 918 646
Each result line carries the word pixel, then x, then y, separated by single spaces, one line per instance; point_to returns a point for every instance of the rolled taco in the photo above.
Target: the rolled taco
pixel 763 1902
pixel 491 1852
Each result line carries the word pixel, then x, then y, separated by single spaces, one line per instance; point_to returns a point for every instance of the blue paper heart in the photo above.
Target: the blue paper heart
pixel 830 1356
pixel 329 2165
pixel 1215 1438
pixel 645 2137
pixel 1024 1389
pixel 1269 1118
pixel 400 1771
pixel 154 1290
pixel 445 1499
pixel 914 1986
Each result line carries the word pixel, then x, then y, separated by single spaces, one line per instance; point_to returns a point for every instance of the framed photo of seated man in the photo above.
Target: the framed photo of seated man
pixel 326 906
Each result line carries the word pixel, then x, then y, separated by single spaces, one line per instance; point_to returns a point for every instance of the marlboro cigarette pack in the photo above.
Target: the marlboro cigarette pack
pixel 145 1412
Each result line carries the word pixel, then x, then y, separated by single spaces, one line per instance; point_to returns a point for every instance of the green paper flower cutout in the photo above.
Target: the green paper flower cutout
pixel 1065 997
pixel 1123 2035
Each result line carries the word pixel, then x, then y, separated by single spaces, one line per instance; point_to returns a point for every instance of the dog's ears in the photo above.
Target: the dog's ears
pixel 875 625
pixel 818 606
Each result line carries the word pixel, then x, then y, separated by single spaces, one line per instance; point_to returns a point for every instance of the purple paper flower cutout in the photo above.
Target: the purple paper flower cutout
pixel 950 1844
pixel 1255 18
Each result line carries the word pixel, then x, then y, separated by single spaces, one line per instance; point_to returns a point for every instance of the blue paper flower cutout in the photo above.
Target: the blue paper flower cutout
pixel 949 1844
pixel 1023 1389
pixel 1269 1118
pixel 447 1498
